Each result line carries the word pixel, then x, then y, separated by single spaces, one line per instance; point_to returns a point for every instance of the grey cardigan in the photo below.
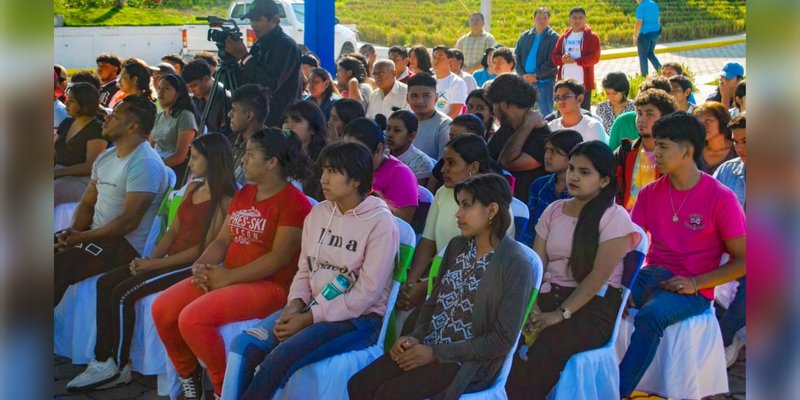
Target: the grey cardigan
pixel 499 310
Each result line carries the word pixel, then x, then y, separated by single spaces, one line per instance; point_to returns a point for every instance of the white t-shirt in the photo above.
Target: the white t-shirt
pixel 472 84
pixel 451 90
pixel 140 171
pixel 589 128
pixel 572 46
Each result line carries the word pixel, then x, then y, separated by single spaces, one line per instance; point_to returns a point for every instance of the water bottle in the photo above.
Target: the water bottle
pixel 334 288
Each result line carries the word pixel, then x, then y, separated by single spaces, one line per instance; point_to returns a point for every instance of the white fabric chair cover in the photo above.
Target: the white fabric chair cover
pixel 594 374
pixel 689 362
pixel 521 214
pixel 62 216
pixel 327 379
pixel 498 390
pixel 168 382
pixel 74 318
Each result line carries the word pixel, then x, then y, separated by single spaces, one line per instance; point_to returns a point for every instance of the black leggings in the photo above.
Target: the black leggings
pixel 87 260
pixel 117 294
pixel 384 380
pixel 589 328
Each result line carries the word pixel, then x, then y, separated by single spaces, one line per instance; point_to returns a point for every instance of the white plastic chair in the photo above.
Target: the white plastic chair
pixel 62 216
pixel 312 200
pixel 421 215
pixel 594 374
pixel 74 318
pixel 327 379
pixel 521 214
pixel 498 390
pixel 698 369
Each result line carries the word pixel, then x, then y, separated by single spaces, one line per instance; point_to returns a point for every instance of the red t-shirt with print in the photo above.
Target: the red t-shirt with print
pixel 253 224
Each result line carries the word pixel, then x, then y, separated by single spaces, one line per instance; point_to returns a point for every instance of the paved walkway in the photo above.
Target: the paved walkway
pixel 706 64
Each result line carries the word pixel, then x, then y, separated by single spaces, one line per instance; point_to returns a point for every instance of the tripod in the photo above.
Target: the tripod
pixel 227 77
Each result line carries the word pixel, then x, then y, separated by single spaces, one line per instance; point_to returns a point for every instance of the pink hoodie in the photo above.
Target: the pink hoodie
pixel 361 244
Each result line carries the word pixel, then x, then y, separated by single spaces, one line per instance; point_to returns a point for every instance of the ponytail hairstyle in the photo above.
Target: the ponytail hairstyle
pixel 472 148
pixel 487 189
pixel 136 69
pixel 286 147
pixel 586 239
pixel 323 74
pixel 217 150
pixel 310 111
pixel 183 102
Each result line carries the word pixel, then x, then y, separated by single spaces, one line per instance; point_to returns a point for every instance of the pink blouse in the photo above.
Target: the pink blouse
pixel 558 229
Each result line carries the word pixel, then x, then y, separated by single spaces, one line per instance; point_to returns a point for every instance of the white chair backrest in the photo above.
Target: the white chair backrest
pixel 536 264
pixel 425 195
pixel 171 178
pixel 519 209
pixel 644 244
pixel 407 235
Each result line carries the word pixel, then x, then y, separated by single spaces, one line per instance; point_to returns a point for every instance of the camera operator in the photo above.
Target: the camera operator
pixel 273 62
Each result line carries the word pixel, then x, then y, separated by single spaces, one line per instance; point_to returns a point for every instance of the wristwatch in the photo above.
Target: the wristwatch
pixel 567 314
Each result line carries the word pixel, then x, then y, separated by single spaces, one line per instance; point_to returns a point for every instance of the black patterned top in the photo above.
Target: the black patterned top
pixel 451 321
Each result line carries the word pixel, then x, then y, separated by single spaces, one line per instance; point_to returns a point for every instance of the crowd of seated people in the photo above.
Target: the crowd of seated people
pixel 362 143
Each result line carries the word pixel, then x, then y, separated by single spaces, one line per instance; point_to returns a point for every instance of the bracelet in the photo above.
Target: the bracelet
pixel 694 282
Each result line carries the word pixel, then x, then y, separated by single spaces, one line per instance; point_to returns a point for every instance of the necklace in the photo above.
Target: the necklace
pixel 675 212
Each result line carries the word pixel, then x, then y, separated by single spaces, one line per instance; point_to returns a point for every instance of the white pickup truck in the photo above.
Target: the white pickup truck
pixel 292 13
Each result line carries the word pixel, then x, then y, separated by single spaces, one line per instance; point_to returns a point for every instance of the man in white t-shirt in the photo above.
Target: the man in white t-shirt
pixel 390 95
pixel 456 58
pixel 576 53
pixel 568 96
pixel 113 219
pixel 451 89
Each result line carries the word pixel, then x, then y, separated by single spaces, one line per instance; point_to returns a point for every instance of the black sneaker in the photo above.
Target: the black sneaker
pixel 193 385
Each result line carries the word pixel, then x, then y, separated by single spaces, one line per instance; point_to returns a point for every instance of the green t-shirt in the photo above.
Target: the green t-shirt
pixel 624 127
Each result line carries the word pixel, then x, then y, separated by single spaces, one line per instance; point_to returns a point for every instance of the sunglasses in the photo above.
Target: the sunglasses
pixel 564 97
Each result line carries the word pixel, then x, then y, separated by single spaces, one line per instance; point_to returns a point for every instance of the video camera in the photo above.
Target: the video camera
pixel 218 33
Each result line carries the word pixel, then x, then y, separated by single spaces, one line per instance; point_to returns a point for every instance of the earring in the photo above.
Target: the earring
pixel 490 220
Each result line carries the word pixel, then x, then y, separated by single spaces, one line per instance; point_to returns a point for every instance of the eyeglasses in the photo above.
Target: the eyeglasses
pixel 564 97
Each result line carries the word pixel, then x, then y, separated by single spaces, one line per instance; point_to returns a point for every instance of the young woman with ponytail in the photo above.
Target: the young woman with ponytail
pixel 581 242
pixel 198 221
pixel 244 273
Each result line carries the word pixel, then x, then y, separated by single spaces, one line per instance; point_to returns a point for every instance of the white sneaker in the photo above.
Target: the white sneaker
pixel 96 374
pixel 732 351
pixel 124 378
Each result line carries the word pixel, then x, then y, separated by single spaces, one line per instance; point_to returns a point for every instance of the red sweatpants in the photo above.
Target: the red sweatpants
pixel 188 319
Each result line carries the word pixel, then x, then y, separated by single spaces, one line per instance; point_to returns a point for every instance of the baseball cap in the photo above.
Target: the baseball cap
pixel 164 68
pixel 262 7
pixel 731 70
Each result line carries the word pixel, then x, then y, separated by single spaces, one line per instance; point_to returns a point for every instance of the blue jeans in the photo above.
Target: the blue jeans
pixel 733 319
pixel 280 360
pixel 658 309
pixel 545 99
pixel 647 51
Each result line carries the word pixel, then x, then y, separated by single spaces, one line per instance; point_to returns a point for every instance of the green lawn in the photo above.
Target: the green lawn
pixel 133 16
pixel 433 22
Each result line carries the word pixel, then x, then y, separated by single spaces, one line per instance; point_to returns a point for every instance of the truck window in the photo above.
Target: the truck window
pixel 300 12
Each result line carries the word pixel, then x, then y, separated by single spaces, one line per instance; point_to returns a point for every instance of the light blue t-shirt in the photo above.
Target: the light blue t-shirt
pixel 648 12
pixel 59 114
pixel 433 134
pixel 732 174
pixel 140 171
